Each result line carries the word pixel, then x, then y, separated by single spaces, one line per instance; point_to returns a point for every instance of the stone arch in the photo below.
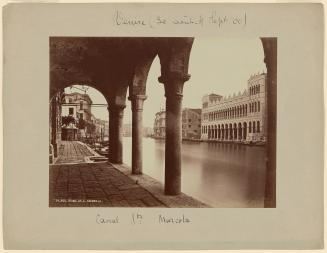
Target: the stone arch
pixel 219 132
pixel 258 126
pixel 235 131
pixel 230 128
pixel 113 64
pixel 239 131
pixel 141 70
pixel 222 132
pixel 258 106
pixel 244 130
pixel 174 54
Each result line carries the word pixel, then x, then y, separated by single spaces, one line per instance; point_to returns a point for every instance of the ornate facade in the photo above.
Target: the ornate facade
pixel 237 118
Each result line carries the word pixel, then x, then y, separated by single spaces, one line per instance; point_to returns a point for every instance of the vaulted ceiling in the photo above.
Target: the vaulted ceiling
pixel 111 64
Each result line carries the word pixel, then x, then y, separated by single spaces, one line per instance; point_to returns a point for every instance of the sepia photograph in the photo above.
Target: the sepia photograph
pixel 163 126
pixel 162 122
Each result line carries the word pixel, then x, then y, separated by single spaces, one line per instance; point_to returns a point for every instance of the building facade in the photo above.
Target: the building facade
pixel 237 118
pixel 99 128
pixel 106 130
pixel 127 131
pixel 159 128
pixel 78 106
pixel 191 123
pixel 147 131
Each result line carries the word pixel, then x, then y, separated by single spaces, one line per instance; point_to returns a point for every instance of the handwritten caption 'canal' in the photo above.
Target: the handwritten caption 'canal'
pixel 137 219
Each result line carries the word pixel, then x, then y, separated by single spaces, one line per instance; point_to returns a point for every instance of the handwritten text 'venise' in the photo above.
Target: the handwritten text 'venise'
pixel 154 21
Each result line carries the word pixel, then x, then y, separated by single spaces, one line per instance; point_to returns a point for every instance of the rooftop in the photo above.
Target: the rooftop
pixel 223 99
pixel 84 96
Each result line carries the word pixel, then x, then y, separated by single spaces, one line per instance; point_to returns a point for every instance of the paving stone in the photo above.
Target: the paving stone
pixel 115 191
pixel 116 197
pixel 152 202
pixel 128 186
pixel 89 182
pixel 136 203
pixel 72 151
pixel 110 192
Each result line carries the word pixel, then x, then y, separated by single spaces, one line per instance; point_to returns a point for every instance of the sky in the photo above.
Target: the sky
pixel 217 65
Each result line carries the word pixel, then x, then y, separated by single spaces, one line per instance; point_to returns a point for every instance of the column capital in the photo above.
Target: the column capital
pixel 137 102
pixel 173 77
pixel 116 107
pixel 116 110
pixel 174 83
pixel 137 96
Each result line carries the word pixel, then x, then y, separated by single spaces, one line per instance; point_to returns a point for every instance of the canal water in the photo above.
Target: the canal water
pixel 218 174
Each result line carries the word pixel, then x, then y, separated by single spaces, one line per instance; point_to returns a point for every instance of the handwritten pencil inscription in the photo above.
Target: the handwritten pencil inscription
pixel 155 21
pixel 136 218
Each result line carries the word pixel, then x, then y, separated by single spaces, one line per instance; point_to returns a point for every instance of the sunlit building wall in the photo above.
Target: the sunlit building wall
pixel 237 118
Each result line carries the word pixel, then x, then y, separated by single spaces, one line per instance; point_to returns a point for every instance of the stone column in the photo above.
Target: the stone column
pixel 174 93
pixel 270 50
pixel 137 132
pixel 116 114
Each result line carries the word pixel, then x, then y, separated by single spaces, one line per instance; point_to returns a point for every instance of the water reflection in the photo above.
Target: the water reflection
pixel 219 174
